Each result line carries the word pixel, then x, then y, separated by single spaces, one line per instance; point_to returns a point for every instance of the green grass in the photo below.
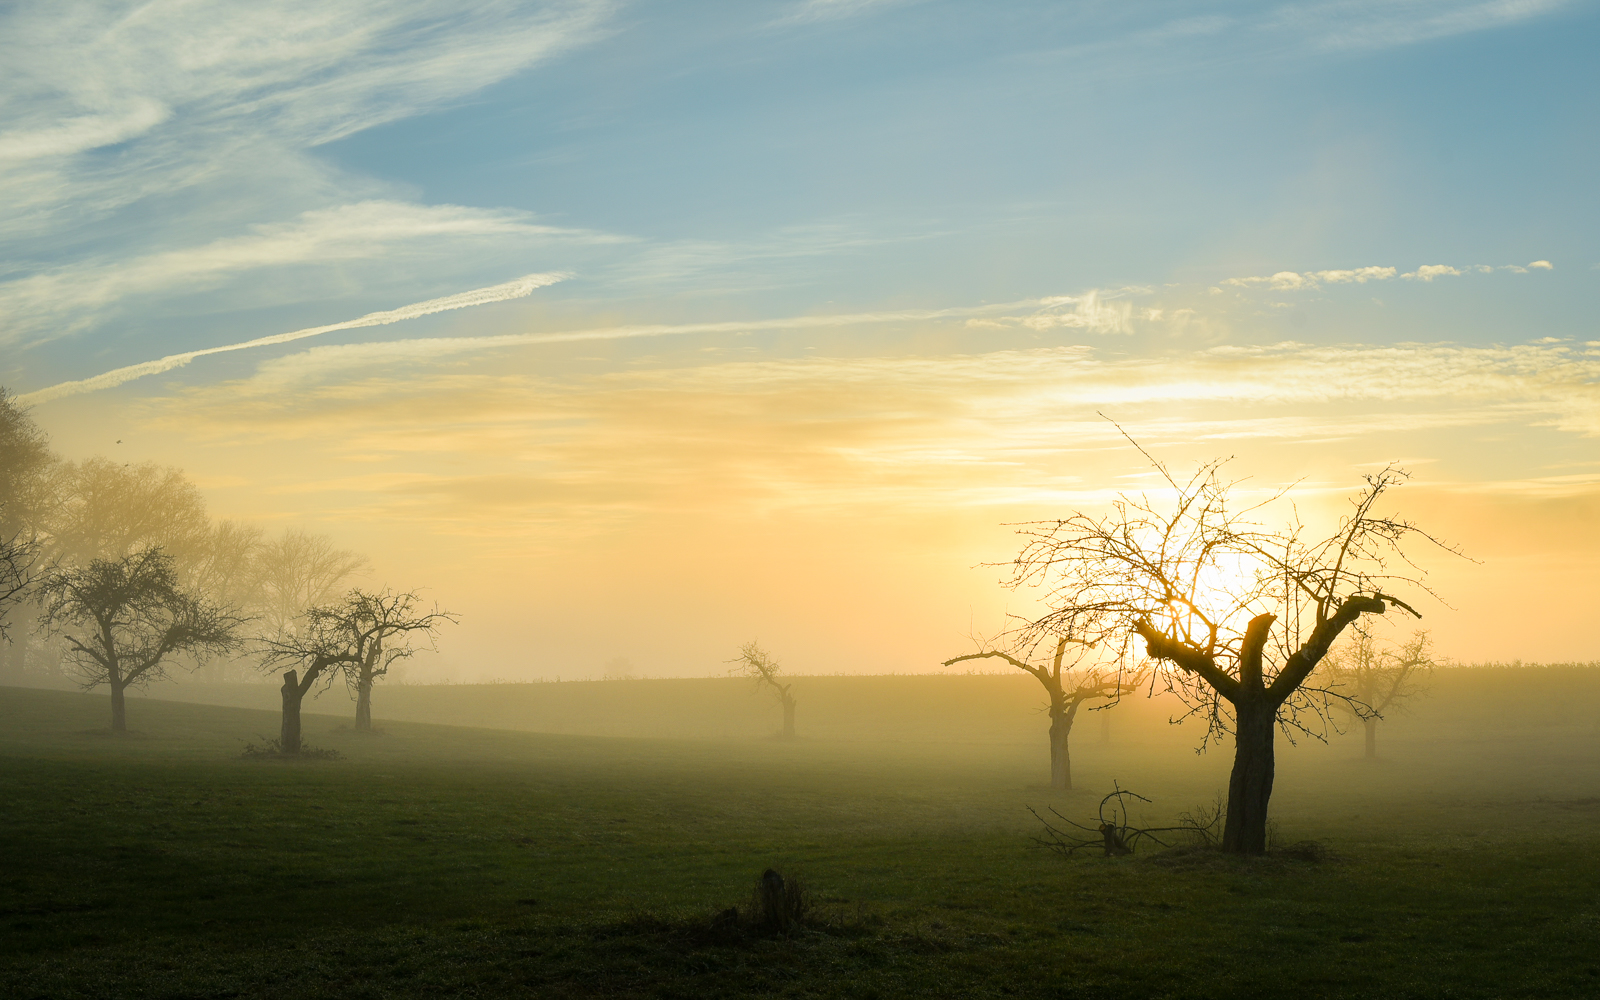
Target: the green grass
pixel 441 861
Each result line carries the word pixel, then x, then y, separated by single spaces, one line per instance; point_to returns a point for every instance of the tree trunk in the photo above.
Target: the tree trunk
pixel 119 707
pixel 289 735
pixel 1250 787
pixel 788 718
pixel 1371 726
pixel 13 648
pixel 364 703
pixel 1060 754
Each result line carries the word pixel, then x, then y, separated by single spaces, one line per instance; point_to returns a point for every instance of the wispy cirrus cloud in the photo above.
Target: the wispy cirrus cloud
pixel 68 298
pixel 1377 24
pixel 190 91
pixel 1095 311
pixel 154 151
pixel 1290 281
pixel 1149 38
pixel 1001 428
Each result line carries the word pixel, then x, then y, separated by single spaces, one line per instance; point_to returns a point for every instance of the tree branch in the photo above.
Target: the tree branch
pixel 1305 659
pixel 1161 646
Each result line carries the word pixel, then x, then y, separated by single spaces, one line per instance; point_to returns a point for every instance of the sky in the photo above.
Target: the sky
pixel 643 330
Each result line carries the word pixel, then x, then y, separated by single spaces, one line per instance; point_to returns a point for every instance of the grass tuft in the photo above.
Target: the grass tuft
pixel 271 749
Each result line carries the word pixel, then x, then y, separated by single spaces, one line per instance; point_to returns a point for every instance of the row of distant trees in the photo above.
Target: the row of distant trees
pixel 1362 679
pixel 1254 629
pixel 112 573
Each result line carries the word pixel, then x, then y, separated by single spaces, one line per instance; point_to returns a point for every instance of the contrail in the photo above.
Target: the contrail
pixel 439 346
pixel 477 297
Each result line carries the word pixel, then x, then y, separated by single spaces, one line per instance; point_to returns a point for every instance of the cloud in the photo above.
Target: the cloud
pixel 194 89
pixel 1291 281
pixel 1143 46
pixel 1379 24
pixel 325 362
pixel 332 362
pixel 481 296
pixel 1089 311
pixel 475 448
pixel 159 152
pixel 74 296
pixel 1428 272
pixel 114 123
pixel 708 264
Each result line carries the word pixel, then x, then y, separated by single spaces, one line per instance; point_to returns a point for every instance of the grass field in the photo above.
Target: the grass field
pixel 435 860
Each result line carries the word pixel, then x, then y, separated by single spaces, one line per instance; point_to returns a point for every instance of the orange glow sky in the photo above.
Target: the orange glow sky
pixel 800 344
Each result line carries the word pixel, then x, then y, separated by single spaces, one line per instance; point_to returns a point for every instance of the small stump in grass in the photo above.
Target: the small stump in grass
pixel 778 906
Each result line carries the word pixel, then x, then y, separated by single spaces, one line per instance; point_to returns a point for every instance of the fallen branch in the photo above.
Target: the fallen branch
pixel 1114 834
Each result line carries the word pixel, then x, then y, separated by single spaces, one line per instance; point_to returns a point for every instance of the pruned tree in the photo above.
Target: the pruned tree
pixel 314 647
pixel 357 638
pixel 123 621
pixel 1233 615
pixel 759 665
pixel 1372 678
pixel 1069 690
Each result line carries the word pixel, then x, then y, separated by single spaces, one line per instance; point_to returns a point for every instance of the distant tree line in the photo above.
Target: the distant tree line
pixel 113 572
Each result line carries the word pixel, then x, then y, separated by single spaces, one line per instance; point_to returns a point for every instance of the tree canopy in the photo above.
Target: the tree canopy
pixel 124 619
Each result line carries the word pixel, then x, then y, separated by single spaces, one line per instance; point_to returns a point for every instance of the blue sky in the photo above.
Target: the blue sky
pixel 913 197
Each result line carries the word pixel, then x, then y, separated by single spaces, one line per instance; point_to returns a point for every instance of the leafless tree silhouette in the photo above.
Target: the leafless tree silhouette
pixel 1203 585
pixel 1068 690
pixel 28 476
pixel 357 637
pixel 389 620
pixel 18 556
pixel 300 570
pixel 756 663
pixel 108 509
pixel 1371 677
pixel 127 617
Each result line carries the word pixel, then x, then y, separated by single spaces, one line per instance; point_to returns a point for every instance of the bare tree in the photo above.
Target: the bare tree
pixel 28 481
pixel 17 558
pixel 25 458
pixel 1371 678
pixel 358 637
pixel 389 620
pixel 223 564
pixel 1068 690
pixel 300 570
pixel 1203 586
pixel 128 617
pixel 757 664
pixel 110 509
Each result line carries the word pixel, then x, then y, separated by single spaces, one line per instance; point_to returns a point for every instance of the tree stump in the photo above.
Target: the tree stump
pixel 774 905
